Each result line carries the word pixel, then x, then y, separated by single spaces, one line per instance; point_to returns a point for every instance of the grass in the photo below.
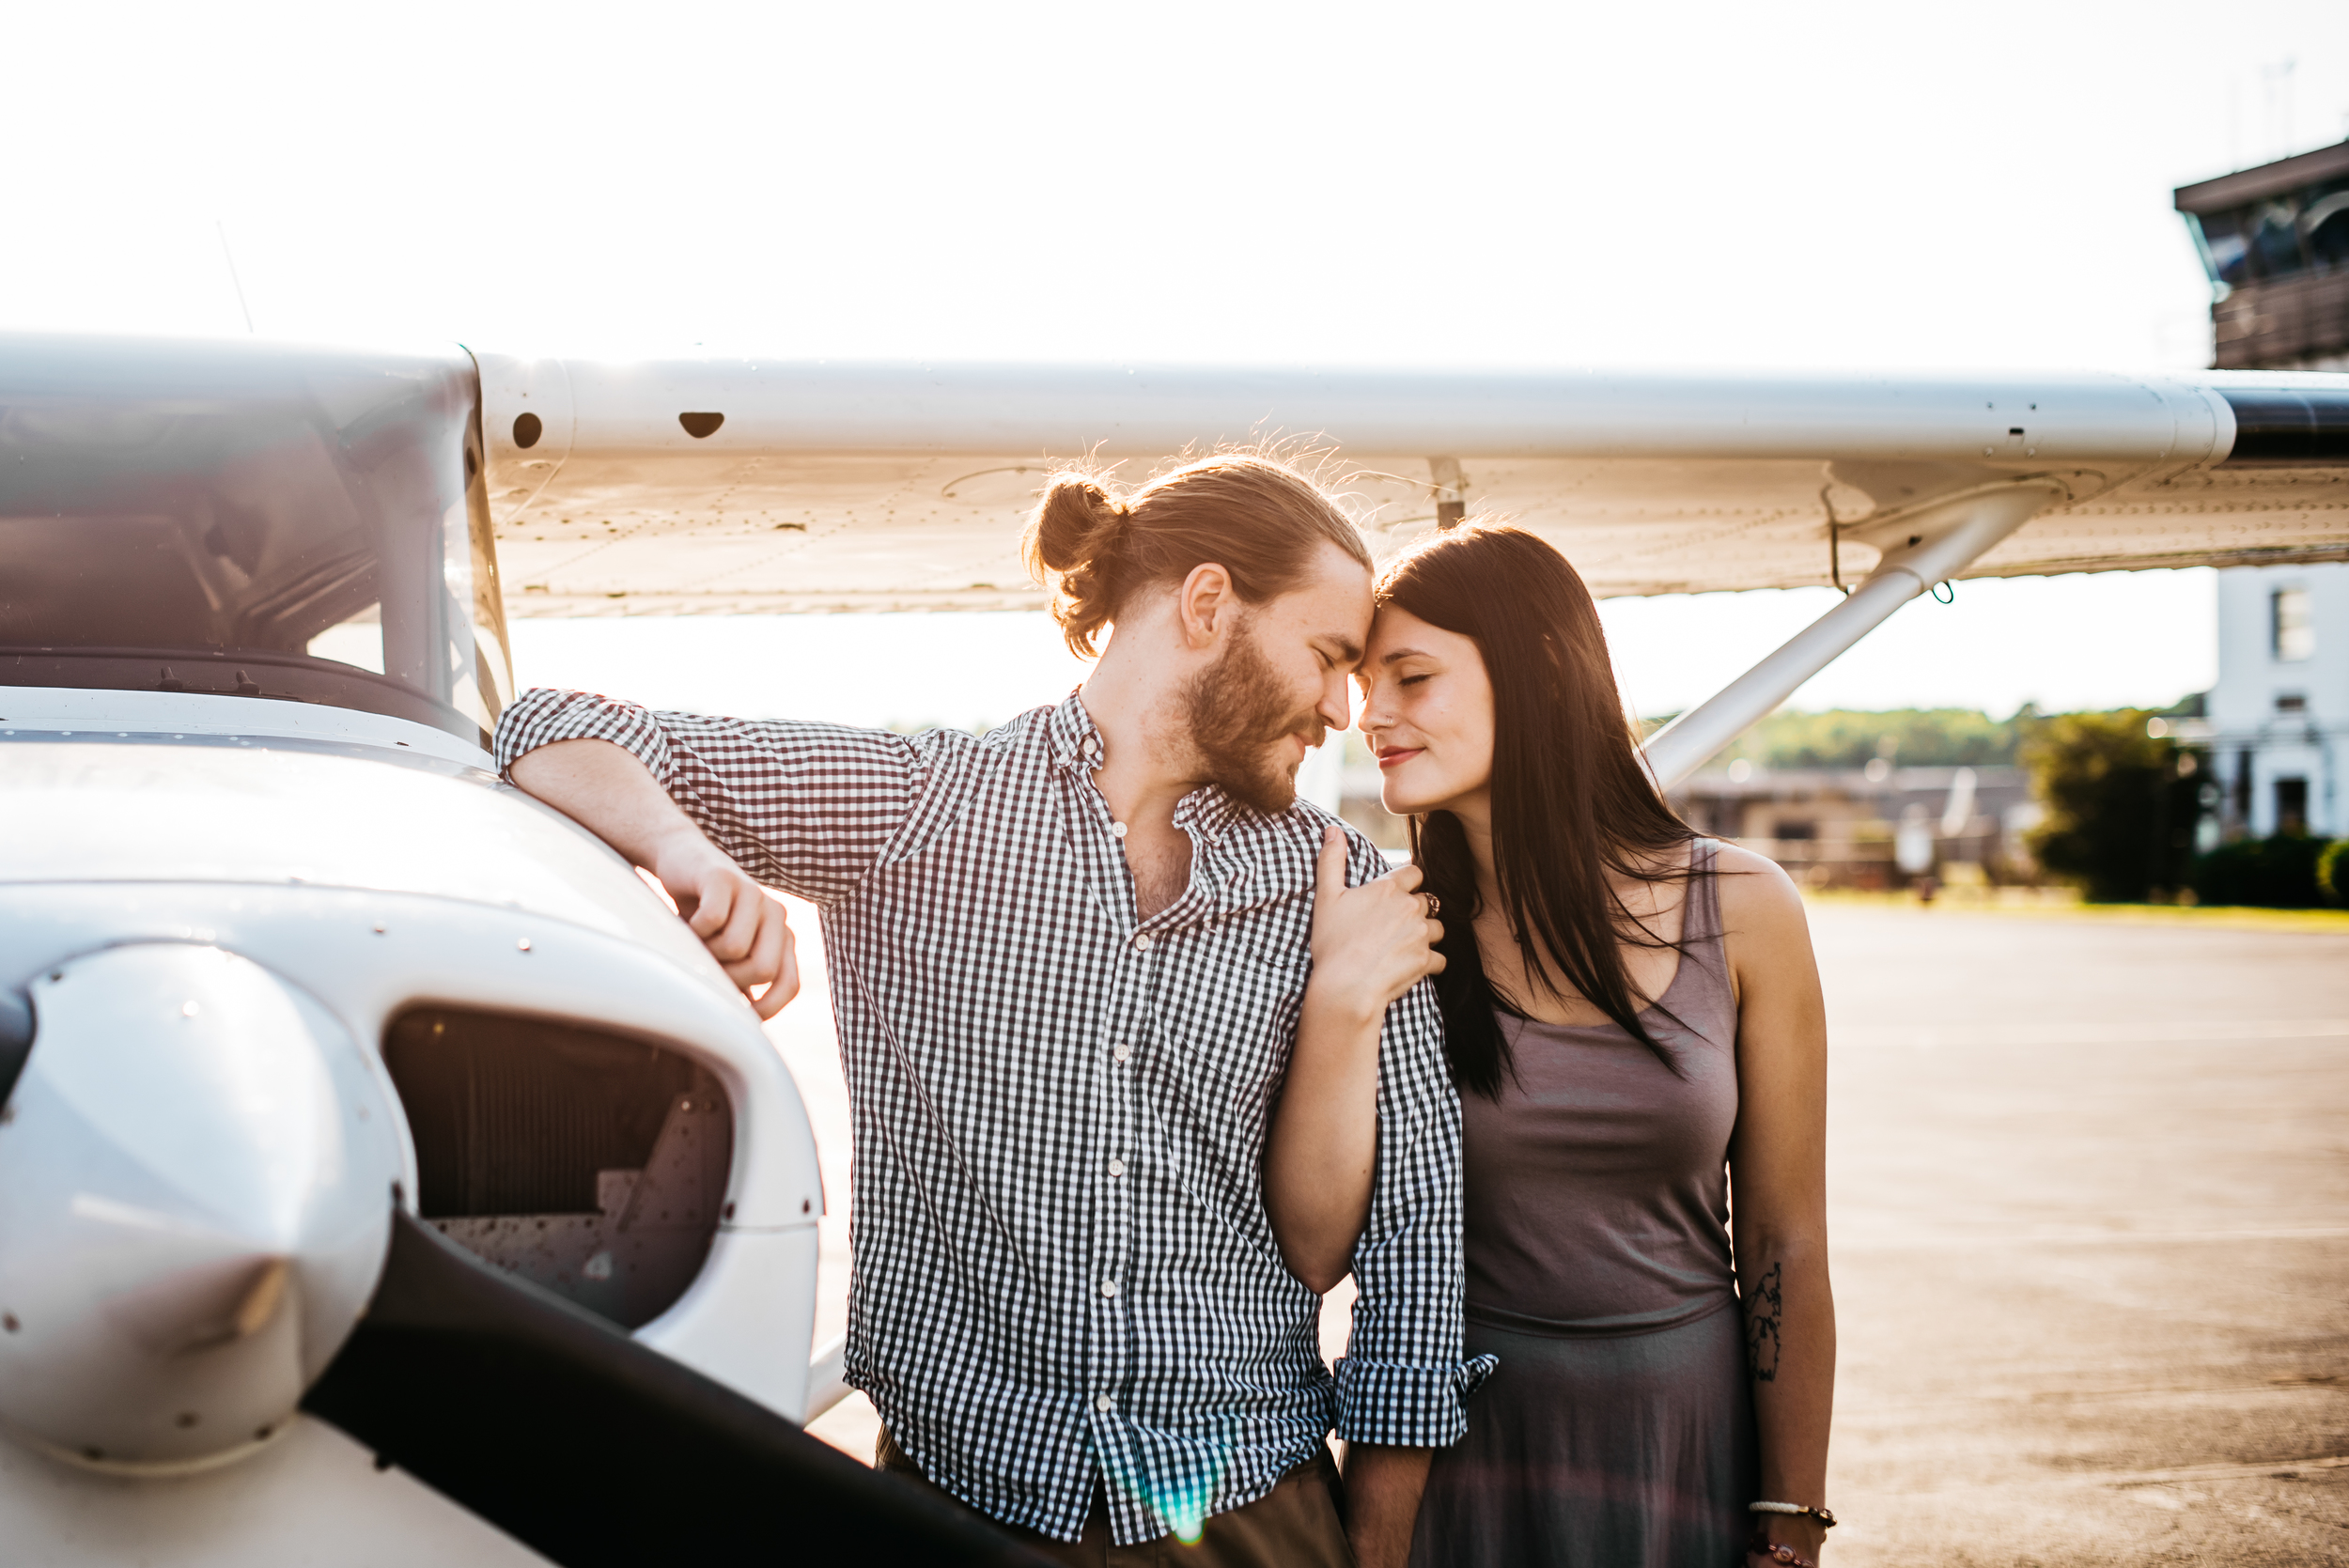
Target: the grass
pixel 2066 904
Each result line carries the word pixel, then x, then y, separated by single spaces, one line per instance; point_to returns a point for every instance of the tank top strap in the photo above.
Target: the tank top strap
pixel 1702 925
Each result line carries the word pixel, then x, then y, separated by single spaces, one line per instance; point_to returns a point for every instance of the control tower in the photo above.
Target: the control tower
pixel 2275 240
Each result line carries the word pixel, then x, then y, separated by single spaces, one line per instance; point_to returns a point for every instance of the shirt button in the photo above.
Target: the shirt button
pixel 1117 1166
pixel 1123 1053
pixel 1104 1404
pixel 1117 830
pixel 1109 1287
pixel 1141 943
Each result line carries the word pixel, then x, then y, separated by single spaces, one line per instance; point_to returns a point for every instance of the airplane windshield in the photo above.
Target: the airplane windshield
pixel 248 520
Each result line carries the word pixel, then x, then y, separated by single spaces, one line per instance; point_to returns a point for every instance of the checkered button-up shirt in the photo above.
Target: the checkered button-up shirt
pixel 1064 1270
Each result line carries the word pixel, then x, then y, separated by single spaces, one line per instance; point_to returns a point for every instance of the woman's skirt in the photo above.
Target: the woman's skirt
pixel 1635 1452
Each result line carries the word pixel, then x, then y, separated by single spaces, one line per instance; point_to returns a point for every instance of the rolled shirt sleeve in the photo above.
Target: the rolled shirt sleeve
pixel 808 808
pixel 1405 1380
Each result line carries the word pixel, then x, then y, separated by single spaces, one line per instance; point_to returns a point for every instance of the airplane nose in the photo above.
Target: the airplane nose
pixel 196 1167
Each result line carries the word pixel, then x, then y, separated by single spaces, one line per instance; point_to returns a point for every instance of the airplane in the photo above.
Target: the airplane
pixel 385 1173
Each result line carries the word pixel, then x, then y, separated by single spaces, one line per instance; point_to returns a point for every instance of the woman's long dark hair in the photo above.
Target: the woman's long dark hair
pixel 1571 802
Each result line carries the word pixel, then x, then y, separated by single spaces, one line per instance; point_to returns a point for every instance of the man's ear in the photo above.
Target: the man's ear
pixel 1206 605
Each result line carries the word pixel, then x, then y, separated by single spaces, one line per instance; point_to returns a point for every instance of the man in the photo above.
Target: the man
pixel 1070 963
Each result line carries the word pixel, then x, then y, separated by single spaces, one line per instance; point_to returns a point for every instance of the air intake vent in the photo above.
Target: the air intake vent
pixel 585 1162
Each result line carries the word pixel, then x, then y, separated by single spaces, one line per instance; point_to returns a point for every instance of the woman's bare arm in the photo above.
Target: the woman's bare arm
pixel 1370 945
pixel 1778 1174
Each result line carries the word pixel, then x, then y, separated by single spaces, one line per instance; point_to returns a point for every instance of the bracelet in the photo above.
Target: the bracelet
pixel 1826 1520
pixel 1786 1555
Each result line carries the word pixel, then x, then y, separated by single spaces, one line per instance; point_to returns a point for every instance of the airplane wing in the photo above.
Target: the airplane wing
pixel 740 485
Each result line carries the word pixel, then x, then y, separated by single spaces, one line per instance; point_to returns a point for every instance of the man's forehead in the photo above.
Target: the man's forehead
pixel 1331 606
pixel 1330 619
pixel 1345 647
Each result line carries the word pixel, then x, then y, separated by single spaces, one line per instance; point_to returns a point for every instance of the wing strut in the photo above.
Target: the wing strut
pixel 1921 548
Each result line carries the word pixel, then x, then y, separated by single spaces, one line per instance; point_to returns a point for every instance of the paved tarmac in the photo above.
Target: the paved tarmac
pixel 2089 1210
pixel 2089 1205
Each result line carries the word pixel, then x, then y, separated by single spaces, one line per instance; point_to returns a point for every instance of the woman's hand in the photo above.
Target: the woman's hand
pixel 1372 944
pixel 743 925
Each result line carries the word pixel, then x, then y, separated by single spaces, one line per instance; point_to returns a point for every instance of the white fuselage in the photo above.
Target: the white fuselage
pixel 375 865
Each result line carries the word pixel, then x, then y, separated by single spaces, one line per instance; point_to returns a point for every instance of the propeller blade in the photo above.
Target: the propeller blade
pixel 592 1450
pixel 16 1040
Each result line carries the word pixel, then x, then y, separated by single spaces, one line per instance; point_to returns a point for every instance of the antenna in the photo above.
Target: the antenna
pixel 235 281
pixel 2275 81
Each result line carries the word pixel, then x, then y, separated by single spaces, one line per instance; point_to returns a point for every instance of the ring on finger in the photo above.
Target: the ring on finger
pixel 1435 904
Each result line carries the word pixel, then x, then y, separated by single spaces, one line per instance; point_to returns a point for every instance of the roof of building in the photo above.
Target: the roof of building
pixel 2269 179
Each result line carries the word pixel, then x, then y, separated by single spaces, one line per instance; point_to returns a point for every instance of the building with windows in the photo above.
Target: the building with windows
pixel 1873 826
pixel 2278 717
pixel 2275 240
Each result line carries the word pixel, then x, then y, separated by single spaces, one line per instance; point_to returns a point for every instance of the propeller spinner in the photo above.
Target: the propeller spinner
pixel 196 1164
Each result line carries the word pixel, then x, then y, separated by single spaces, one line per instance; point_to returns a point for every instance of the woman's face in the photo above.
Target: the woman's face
pixel 1427 712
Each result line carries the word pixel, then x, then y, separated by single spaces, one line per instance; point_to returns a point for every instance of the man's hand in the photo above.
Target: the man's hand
pixel 1372 944
pixel 742 924
pixel 607 791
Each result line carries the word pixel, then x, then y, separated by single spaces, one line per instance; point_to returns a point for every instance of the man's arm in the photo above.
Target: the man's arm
pixel 720 808
pixel 606 791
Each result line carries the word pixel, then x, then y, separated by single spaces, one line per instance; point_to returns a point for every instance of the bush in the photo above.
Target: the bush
pixel 2332 872
pixel 2120 816
pixel 2286 872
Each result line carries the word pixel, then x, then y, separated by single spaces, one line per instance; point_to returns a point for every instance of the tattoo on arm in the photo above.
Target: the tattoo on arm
pixel 1763 1310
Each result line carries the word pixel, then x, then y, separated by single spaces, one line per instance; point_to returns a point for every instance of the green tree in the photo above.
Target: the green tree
pixel 1911 736
pixel 2120 816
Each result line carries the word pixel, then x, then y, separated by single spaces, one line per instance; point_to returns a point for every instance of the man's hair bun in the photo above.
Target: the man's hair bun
pixel 1248 512
pixel 1073 542
pixel 1077 519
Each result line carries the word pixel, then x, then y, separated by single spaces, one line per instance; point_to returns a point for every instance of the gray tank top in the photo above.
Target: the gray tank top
pixel 1597 1185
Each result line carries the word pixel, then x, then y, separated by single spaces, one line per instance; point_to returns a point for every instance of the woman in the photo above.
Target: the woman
pixel 1634 1021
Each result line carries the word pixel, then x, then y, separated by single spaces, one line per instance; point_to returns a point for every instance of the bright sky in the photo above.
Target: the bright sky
pixel 2044 639
pixel 1924 186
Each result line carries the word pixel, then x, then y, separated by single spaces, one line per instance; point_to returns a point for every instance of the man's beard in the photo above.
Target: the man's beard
pixel 1238 716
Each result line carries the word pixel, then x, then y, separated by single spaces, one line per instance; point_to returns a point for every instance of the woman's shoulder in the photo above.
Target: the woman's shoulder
pixel 1754 890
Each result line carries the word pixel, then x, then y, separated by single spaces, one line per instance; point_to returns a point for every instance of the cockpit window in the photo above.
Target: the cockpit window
pixel 248 520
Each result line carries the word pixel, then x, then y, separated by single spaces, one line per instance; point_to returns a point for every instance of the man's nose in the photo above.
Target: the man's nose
pixel 1334 711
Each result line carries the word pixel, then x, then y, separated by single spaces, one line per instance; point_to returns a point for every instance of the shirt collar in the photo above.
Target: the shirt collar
pixel 1208 810
pixel 1069 729
pixel 1076 747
